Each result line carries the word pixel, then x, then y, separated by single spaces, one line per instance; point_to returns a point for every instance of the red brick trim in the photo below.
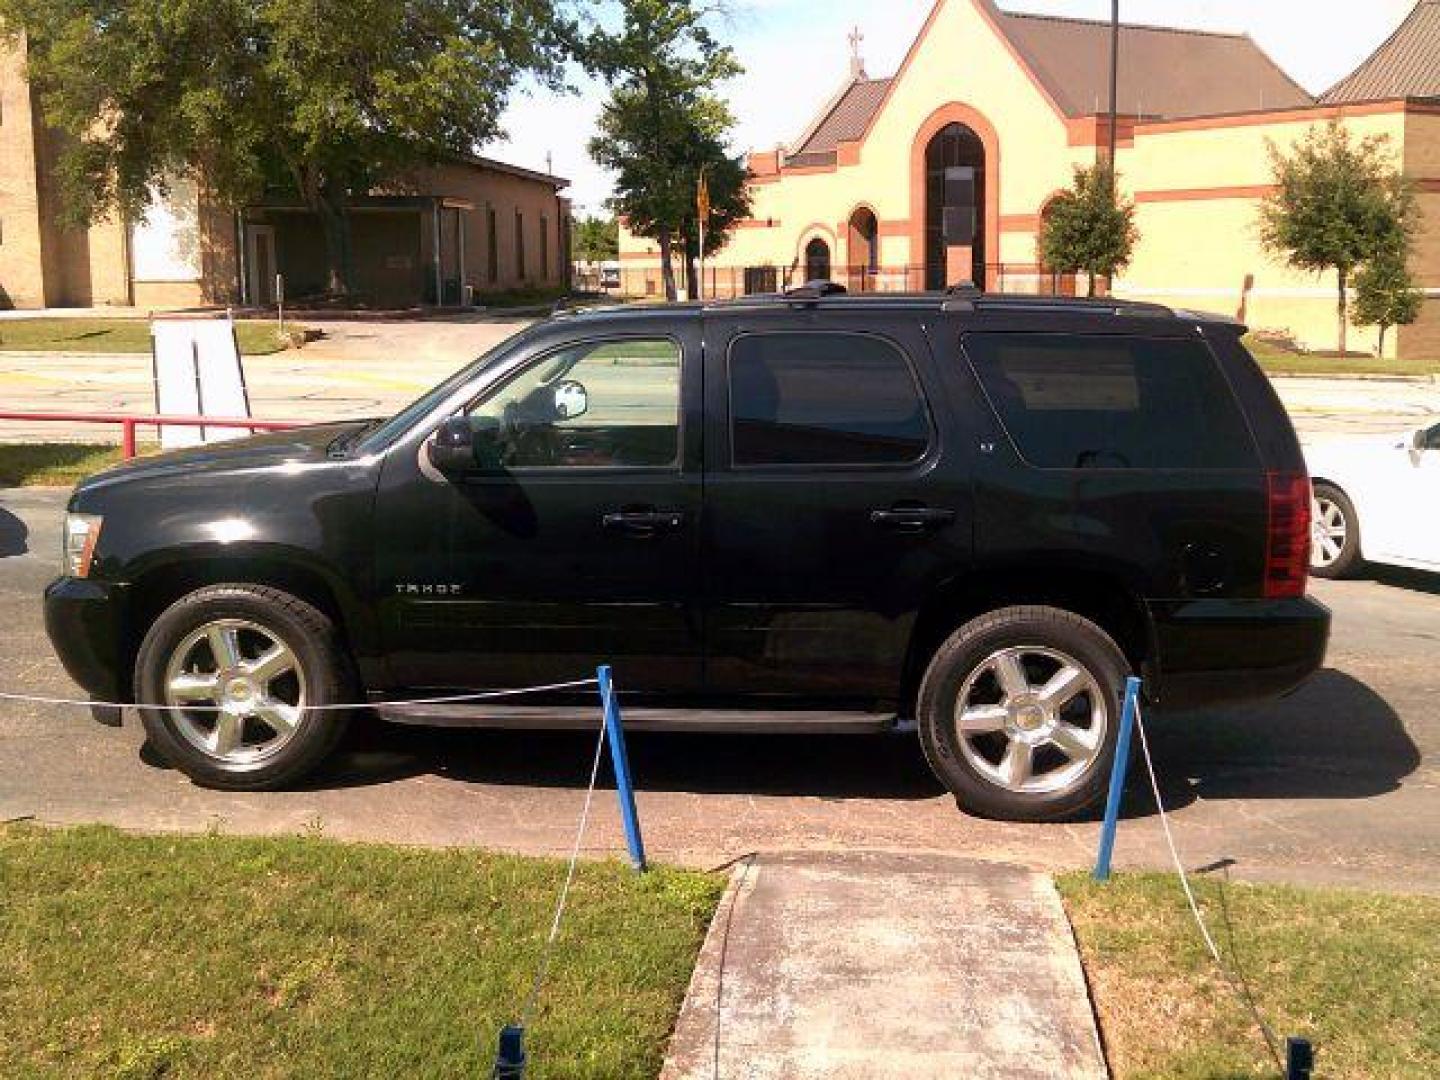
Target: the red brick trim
pixel 1252 191
pixel 1287 116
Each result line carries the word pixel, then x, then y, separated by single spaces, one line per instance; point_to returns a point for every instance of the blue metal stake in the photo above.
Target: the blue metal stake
pixel 615 733
pixel 1117 780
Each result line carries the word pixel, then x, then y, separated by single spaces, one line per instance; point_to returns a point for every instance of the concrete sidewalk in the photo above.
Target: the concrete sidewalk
pixel 886 966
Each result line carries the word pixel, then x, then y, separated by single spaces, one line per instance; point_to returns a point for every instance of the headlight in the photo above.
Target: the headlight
pixel 82 531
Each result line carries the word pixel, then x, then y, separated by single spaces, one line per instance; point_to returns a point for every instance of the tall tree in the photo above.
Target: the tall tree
pixel 1088 228
pixel 322 99
pixel 1385 294
pixel 662 123
pixel 1338 203
pixel 596 239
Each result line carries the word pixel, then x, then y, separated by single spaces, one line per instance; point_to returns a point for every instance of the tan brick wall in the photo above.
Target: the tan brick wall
pixel 504 194
pixel 22 279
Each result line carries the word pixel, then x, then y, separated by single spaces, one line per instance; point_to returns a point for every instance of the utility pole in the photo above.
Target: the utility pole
pixel 1114 83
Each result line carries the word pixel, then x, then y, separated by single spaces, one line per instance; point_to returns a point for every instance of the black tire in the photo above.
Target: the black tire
pixel 972 650
pixel 319 658
pixel 1329 499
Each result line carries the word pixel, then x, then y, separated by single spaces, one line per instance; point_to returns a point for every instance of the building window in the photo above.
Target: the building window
pixel 492 246
pixel 544 247
pixel 519 245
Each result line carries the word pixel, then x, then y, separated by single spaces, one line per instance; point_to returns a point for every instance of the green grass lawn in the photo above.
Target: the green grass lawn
pixel 1358 973
pixel 130 956
pixel 1278 361
pixel 98 335
pixel 54 464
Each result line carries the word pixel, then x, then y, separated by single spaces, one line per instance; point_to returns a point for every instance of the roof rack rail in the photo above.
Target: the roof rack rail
pixel 814 290
pixel 959 302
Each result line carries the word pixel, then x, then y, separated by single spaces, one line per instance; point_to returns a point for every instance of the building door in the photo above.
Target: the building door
pixel 261 260
pixel 817 260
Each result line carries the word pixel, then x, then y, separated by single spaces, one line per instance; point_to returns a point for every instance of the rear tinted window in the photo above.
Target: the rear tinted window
pixel 824 399
pixel 1075 402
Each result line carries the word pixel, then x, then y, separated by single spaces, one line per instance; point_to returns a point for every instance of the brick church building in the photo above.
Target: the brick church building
pixel 992 110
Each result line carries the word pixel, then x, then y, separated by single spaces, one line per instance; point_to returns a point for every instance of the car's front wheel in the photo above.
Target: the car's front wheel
pixel 1019 713
pixel 1335 533
pixel 240 670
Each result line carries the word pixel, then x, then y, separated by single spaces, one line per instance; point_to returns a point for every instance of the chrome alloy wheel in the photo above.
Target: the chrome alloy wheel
pixel 1031 720
pixel 1328 532
pixel 250 681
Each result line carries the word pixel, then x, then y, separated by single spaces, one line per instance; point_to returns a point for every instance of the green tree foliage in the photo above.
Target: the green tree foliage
pixel 318 99
pixel 1338 204
pixel 1385 294
pixel 1088 229
pixel 596 239
pixel 662 125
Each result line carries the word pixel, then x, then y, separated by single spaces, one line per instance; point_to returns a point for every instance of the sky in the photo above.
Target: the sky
pixel 796 55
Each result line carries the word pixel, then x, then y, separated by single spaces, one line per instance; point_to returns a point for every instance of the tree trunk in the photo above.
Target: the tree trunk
pixel 1343 306
pixel 667 265
pixel 335 224
pixel 1380 352
pixel 1090 284
pixel 692 277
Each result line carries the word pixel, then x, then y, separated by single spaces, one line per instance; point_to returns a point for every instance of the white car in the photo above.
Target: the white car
pixel 1377 499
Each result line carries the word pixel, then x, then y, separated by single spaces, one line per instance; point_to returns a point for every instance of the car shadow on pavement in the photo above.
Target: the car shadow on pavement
pixel 1335 738
pixel 820 766
pixel 14 535
pixel 1398 577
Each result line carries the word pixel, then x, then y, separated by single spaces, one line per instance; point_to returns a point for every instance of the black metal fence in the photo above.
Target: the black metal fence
pixel 729 282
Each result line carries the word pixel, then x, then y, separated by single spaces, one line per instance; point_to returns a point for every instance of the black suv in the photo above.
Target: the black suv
pixel 967 515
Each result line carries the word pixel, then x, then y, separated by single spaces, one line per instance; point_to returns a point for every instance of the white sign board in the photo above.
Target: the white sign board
pixel 198 373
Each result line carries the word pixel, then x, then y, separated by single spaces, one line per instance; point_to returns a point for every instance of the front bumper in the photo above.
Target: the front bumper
pixel 85 620
pixel 1214 652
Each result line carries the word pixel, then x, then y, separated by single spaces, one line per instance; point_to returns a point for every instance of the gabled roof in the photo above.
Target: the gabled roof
pixel 846 117
pixel 1406 65
pixel 1164 71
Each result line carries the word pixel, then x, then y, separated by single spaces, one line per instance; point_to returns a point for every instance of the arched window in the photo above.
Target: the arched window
pixel 863 256
pixel 954 196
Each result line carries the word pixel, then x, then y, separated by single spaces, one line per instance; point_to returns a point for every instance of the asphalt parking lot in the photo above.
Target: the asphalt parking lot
pixel 1338 783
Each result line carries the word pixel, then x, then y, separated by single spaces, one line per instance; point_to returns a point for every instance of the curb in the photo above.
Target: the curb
pixel 1351 376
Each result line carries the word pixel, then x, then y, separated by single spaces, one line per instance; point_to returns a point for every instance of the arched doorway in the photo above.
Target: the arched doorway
pixel 863 249
pixel 817 260
pixel 954 196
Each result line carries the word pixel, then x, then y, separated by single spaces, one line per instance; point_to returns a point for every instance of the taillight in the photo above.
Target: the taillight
pixel 1287 535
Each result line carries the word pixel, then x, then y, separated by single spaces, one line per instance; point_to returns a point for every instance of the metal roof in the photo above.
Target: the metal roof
pixel 1406 65
pixel 1164 71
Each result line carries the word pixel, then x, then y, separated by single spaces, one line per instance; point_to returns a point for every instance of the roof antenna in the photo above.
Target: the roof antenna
pixel 857 62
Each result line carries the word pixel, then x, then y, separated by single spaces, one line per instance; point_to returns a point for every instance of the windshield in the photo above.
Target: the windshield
pixel 391 430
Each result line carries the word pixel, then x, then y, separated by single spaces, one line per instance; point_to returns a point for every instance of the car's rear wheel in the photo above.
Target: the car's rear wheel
pixel 1334 533
pixel 241 670
pixel 1019 713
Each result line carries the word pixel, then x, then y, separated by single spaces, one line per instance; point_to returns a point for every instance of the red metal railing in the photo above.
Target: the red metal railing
pixel 129 422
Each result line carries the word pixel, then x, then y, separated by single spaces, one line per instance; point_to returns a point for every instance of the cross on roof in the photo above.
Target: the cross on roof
pixel 857 62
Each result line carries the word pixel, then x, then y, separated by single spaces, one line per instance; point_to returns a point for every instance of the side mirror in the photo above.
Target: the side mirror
pixel 571 400
pixel 452 448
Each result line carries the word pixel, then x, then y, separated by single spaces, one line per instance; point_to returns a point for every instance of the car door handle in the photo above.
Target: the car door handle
pixel 644 522
pixel 912 519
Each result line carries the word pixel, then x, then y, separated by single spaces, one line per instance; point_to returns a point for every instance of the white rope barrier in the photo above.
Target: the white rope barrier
pixel 451 699
pixel 1269 1036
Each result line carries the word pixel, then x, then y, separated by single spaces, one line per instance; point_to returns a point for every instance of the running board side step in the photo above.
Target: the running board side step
pixel 587 717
